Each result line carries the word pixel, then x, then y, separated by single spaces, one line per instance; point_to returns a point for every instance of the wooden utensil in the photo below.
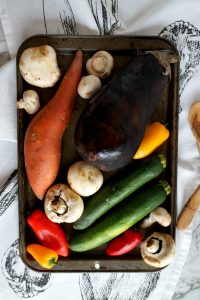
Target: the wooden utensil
pixel 187 214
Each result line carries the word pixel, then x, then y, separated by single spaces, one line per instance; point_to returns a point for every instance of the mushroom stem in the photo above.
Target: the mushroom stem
pixel 153 245
pixel 59 206
pixel 20 104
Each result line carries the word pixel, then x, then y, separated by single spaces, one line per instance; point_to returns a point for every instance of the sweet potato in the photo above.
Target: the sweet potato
pixel 42 145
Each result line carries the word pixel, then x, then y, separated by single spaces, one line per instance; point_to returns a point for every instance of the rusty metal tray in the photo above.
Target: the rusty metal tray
pixel 122 48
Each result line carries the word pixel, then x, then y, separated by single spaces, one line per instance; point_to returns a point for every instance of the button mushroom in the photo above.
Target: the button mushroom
pixel 30 102
pixel 158 250
pixel 39 67
pixel 84 178
pixel 100 64
pixel 61 204
pixel 159 215
pixel 88 86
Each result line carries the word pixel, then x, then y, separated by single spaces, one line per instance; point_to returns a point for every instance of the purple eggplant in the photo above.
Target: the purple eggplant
pixel 111 128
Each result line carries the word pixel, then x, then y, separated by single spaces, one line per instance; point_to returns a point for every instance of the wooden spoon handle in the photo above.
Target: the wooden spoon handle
pixel 187 214
pixel 194 121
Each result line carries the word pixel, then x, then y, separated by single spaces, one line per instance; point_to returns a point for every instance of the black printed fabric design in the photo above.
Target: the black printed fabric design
pixel 65 15
pixel 148 285
pixel 105 13
pixel 186 38
pixel 90 289
pixel 68 20
pixel 8 193
pixel 123 286
pixel 23 281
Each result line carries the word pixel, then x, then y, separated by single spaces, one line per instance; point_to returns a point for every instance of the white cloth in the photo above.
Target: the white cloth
pixel 21 19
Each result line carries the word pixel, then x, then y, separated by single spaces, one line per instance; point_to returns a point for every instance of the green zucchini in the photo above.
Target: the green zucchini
pixel 120 218
pixel 119 188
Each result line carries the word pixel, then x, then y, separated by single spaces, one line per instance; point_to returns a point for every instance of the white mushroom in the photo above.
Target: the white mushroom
pixel 159 215
pixel 84 178
pixel 39 67
pixel 61 204
pixel 30 102
pixel 158 250
pixel 100 64
pixel 88 86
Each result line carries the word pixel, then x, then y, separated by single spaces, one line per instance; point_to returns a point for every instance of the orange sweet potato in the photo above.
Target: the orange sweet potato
pixel 42 145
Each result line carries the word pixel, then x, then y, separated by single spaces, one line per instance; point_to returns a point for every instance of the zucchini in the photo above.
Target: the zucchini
pixel 121 217
pixel 119 188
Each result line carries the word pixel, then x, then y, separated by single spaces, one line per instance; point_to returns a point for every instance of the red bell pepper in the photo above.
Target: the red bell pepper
pixel 49 234
pixel 124 243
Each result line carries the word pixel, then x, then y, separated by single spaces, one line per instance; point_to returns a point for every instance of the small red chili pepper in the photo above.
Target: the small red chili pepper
pixel 124 243
pixel 50 234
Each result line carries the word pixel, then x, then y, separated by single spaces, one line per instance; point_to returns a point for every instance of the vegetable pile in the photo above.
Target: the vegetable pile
pixel 114 132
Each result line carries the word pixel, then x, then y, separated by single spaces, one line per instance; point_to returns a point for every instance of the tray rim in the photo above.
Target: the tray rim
pixel 176 96
pixel 86 36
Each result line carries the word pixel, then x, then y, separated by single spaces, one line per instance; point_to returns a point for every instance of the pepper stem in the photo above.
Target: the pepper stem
pixel 52 261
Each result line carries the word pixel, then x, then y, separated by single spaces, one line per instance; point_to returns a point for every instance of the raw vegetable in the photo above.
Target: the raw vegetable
pixel 89 86
pixel 121 217
pixel 155 135
pixel 39 67
pixel 30 102
pixel 120 187
pixel 62 204
pixel 159 215
pixel 100 64
pixel 49 234
pixel 124 243
pixel 45 257
pixel 158 250
pixel 84 178
pixel 42 146
pixel 111 127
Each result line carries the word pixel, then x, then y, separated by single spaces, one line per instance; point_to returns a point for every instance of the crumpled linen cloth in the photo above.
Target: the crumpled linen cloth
pixel 21 19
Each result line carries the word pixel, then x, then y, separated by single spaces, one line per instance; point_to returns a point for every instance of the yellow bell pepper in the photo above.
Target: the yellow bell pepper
pixel 44 256
pixel 155 135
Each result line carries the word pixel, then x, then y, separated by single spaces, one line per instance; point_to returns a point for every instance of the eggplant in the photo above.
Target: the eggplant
pixel 111 127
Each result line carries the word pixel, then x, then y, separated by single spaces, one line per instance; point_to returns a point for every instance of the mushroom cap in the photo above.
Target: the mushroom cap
pixel 84 178
pixel 69 207
pixel 164 255
pixel 88 86
pixel 100 64
pixel 38 66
